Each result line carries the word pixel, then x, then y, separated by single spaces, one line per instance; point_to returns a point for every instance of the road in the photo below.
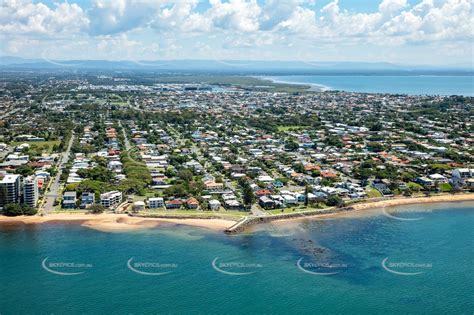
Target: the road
pixel 50 197
pixel 128 147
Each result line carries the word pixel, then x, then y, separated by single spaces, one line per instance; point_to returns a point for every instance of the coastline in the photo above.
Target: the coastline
pixel 111 222
pixel 313 87
pixel 371 208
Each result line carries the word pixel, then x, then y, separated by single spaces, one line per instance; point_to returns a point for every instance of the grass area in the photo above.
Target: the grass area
pixel 297 209
pixel 50 144
pixel 414 186
pixel 70 211
pixel 118 103
pixel 373 193
pixel 196 213
pixel 291 127
pixel 445 187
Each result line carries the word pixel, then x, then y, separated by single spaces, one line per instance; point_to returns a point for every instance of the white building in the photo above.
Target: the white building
pixel 157 202
pixel 30 191
pixel 10 189
pixel 110 199
pixel 214 204
pixel 462 173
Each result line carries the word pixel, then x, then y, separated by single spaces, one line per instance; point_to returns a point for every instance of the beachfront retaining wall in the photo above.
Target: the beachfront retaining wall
pixel 248 221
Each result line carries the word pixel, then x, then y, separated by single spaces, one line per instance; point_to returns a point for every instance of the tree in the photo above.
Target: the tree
pixel 96 209
pixel 307 190
pixel 185 174
pixel 25 170
pixel 16 209
pixel 299 168
pixel 334 201
pixel 292 145
pixel 248 195
pixel 12 210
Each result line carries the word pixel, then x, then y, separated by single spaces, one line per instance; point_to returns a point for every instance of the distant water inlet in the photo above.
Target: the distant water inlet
pixel 401 84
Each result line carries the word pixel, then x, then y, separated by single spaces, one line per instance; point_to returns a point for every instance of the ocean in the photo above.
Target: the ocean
pixel 401 84
pixel 421 261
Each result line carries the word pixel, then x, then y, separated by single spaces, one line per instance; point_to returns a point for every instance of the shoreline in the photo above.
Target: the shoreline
pixel 111 222
pixel 368 208
pixel 313 87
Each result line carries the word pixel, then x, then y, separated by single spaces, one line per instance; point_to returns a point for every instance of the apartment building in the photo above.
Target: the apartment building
pixel 111 199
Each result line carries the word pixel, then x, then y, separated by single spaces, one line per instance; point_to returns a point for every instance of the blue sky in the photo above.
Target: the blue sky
pixel 435 32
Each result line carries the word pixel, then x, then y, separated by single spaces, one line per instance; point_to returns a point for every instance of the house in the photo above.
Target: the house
pixel 232 204
pixel 173 204
pixel 87 199
pixel 289 199
pixel 277 184
pixel 425 181
pixel 192 203
pixel 265 179
pixel 328 174
pixel 462 173
pixel 214 204
pixel 266 202
pixel 263 192
pixel 213 186
pixel 69 200
pixel 300 197
pixel 115 166
pixel 111 199
pixel 154 203
pixel 438 178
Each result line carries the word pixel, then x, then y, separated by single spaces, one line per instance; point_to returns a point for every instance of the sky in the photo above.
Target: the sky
pixel 408 32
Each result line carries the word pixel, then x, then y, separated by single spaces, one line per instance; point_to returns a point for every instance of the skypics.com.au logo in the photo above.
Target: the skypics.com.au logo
pixel 65 268
pixel 151 268
pixel 405 268
pixel 320 269
pixel 235 268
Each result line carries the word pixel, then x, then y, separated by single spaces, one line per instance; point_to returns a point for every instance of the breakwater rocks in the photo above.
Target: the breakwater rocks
pixel 251 220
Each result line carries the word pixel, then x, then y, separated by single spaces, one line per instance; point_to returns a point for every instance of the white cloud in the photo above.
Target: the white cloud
pixel 24 17
pixel 237 15
pixel 130 26
pixel 392 6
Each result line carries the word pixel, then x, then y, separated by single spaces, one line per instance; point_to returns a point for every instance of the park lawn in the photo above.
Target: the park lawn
pixel 297 209
pixel 287 128
pixel 373 193
pixel 445 187
pixel 414 186
pixel 197 213
pixel 38 144
pixel 118 103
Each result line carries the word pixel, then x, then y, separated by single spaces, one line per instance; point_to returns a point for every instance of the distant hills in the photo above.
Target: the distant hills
pixel 227 66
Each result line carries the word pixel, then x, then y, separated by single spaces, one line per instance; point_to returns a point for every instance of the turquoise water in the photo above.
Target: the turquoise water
pixel 412 85
pixel 440 242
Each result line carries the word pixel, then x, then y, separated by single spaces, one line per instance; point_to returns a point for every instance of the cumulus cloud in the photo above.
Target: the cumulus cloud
pixel 25 17
pixel 240 23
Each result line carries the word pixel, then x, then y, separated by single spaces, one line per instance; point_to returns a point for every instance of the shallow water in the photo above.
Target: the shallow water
pixel 309 266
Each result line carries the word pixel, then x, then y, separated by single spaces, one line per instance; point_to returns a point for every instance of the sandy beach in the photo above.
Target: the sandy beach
pixel 117 222
pixel 415 200
pixel 370 208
